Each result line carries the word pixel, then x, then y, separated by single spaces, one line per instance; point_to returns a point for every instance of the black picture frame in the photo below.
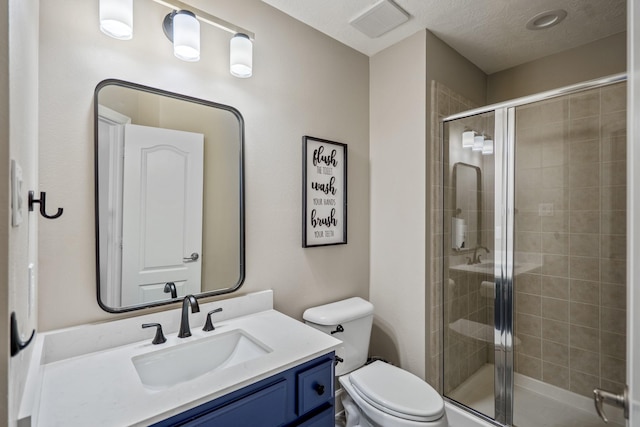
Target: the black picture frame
pixel 324 192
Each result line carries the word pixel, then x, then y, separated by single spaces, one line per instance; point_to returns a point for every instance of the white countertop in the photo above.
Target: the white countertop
pixel 102 388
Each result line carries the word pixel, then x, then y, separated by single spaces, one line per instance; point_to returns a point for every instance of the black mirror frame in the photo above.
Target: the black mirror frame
pixel 212 104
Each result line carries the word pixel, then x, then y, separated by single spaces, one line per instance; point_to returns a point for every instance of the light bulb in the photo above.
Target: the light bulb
pixel 116 18
pixel 186 36
pixel 241 56
pixel 487 148
pixel 478 143
pixel 467 138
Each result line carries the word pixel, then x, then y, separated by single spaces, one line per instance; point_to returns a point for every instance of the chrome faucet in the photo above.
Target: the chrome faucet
pixel 189 300
pixel 476 255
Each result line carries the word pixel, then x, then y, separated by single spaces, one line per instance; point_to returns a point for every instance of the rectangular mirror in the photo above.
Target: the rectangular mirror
pixel 169 196
pixel 466 223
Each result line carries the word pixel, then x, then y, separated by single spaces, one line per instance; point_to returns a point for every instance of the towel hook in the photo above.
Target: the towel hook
pixel 17 345
pixel 43 205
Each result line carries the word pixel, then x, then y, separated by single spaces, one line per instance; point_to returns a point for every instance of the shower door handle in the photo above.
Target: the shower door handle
pixel 600 397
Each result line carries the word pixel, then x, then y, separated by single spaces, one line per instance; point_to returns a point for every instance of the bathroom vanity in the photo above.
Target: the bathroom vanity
pixel 258 364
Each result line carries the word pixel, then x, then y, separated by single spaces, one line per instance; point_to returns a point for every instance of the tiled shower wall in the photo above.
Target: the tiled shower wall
pixel 570 216
pixel 444 102
pixel 570 219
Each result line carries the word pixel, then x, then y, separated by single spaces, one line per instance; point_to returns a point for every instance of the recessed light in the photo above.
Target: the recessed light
pixel 546 19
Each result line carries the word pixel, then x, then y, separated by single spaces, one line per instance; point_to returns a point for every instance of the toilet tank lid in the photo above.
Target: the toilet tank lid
pixel 338 312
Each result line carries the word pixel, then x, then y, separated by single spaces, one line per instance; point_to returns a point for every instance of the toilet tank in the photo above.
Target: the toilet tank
pixel 351 321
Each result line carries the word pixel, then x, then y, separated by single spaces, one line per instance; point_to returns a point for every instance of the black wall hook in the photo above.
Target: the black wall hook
pixel 43 205
pixel 17 344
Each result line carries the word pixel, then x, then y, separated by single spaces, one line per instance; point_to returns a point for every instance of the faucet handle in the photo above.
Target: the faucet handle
pixel 208 325
pixel 159 338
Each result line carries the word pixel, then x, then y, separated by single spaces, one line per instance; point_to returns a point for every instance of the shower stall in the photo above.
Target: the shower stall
pixel 534 249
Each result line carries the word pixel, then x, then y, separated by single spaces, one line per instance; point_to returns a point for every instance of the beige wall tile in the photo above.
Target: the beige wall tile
pixel 584 268
pixel 587 151
pixel 584 175
pixel 613 320
pixel 613 246
pixel 614 124
pixel 613 222
pixel 585 199
pixel 556 375
pixel 585 245
pixel 558 222
pixel 613 369
pixel 531 346
pixel 613 148
pixel 527 221
pixel 555 353
pixel 555 309
pixel 554 177
pixel 528 284
pixel 528 304
pixel 613 345
pixel 613 271
pixel 613 296
pixel 555 265
pixel 613 198
pixel 583 383
pixel 555 287
pixel 528 324
pixel 555 243
pixel 528 242
pixel 553 330
pixel 529 366
pixel 584 361
pixel 585 104
pixel 585 291
pixel 584 222
pixel 584 337
pixel 613 173
pixel 584 129
pixel 613 98
pixel 584 314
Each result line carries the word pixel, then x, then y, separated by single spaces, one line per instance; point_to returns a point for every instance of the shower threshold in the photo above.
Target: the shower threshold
pixel 536 404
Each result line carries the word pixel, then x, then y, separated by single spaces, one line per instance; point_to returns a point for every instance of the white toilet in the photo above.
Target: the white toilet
pixel 377 394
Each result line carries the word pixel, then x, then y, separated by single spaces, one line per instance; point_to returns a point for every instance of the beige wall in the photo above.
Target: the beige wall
pixel 23 144
pixel 398 111
pixel 303 83
pixel 453 70
pixel 590 61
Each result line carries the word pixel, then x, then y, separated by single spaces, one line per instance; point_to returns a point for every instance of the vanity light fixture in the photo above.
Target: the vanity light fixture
pixel 116 18
pixel 182 27
pixel 241 56
pixel 467 138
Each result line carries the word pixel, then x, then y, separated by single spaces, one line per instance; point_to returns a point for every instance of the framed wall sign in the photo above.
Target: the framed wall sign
pixel 324 192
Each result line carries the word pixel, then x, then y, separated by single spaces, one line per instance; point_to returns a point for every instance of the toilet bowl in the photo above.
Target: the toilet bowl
pixel 377 394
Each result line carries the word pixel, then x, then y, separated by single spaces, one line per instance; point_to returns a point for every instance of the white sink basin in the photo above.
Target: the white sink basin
pixel 183 362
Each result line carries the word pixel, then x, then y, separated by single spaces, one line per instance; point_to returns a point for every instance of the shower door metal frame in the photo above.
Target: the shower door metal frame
pixel 504 152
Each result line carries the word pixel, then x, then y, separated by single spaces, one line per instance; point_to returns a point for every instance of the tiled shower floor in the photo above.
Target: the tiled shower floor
pixel 536 404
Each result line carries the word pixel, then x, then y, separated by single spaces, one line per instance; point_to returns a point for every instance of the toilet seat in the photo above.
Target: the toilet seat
pixel 397 392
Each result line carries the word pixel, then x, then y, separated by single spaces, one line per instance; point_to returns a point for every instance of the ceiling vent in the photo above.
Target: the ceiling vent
pixel 381 17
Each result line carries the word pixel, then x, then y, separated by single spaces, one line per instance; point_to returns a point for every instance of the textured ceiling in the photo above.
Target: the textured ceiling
pixel 490 33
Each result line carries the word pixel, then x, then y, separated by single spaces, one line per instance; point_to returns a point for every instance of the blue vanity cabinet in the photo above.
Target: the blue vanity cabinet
pixel 301 396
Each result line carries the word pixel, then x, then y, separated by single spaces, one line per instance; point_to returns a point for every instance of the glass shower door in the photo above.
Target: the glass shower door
pixel 569 259
pixel 468 297
pixel 534 299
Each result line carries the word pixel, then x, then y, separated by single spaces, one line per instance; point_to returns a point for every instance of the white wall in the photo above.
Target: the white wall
pixel 398 200
pixel 303 83
pixel 19 125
